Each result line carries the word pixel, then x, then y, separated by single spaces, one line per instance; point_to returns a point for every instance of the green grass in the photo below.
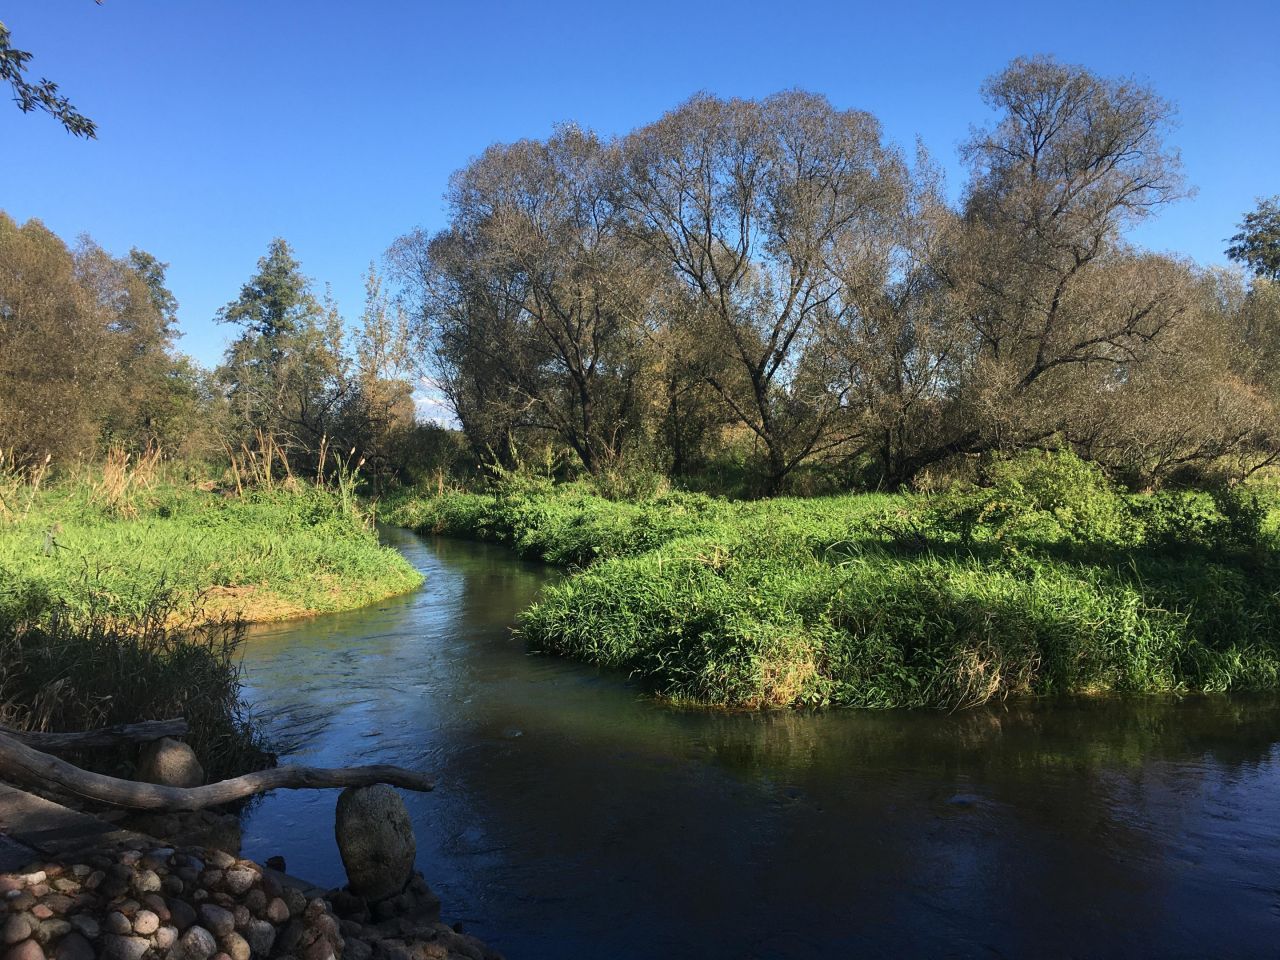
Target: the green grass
pixel 132 607
pixel 1047 583
pixel 267 555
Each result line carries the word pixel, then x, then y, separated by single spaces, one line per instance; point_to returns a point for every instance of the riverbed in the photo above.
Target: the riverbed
pixel 574 817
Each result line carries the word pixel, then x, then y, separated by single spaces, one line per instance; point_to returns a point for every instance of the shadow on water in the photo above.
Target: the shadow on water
pixel 574 817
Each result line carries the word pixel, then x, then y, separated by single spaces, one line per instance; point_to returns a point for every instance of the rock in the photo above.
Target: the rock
pixel 31 879
pixel 26 950
pixel 277 911
pixel 118 923
pixel 66 885
pixel 165 937
pixel 145 923
pixel 197 944
pixel 357 950
pixel 94 880
pixel 51 931
pixel 128 907
pixel 256 902
pixel 296 901
pixel 20 900
pixel 39 890
pixel 9 883
pixel 155 903
pixel 58 902
pixel 41 912
pixel 86 924
pixel 238 880
pixel 236 947
pixel 16 929
pixel 276 863
pixel 168 762
pixel 375 839
pixel 261 936
pixel 218 920
pixel 147 881
pixel 124 948
pixel 220 859
pixel 182 914
pixel 211 878
pixel 74 947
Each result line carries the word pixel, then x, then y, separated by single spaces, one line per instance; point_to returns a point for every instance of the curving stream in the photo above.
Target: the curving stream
pixel 574 818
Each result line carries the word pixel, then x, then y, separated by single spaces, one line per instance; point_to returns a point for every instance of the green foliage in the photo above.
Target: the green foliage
pixel 1048 581
pixel 1257 245
pixel 269 553
pixel 42 95
pixel 66 670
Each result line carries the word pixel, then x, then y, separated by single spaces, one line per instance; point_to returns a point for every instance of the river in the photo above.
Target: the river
pixel 576 818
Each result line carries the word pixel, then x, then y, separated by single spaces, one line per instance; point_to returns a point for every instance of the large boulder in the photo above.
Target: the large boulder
pixel 375 839
pixel 170 763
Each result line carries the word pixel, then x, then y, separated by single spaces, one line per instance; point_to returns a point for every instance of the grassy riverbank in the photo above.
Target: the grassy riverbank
pixel 1048 581
pixel 266 555
pixel 132 606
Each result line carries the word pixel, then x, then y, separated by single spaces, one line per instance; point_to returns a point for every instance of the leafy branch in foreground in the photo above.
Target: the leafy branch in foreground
pixel 42 94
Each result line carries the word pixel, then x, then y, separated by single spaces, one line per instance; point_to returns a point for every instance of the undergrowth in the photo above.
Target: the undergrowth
pixel 1044 580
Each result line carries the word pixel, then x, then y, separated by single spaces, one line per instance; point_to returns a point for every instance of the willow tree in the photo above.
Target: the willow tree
pixel 749 204
pixel 530 299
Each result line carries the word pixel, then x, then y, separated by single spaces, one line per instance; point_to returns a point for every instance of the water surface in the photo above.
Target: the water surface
pixel 575 818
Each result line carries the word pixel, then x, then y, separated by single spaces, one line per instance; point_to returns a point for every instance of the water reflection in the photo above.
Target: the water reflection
pixel 576 818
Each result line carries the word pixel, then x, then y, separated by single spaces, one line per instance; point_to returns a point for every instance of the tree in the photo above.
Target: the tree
pixel 1257 245
pixel 749 204
pixel 1056 303
pixel 286 373
pixel 531 299
pixel 41 95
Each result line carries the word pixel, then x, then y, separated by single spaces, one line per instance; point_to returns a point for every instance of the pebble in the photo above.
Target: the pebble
pixel 198 944
pixel 26 950
pixel 118 923
pixel 277 911
pixel 86 925
pixel 166 937
pixel 217 919
pixel 41 912
pixel 239 880
pixel 236 947
pixel 182 914
pixel 147 881
pixel 74 947
pixel 124 948
pixel 145 923
pixel 16 929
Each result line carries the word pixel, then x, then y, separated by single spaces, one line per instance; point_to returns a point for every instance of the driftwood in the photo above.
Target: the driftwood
pixel 30 767
pixel 142 732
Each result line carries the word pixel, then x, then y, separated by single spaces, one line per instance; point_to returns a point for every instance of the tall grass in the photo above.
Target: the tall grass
pixel 64 669
pixel 1047 581
pixel 264 554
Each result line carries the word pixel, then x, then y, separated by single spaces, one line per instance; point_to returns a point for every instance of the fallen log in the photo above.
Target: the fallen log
pixel 143 732
pixel 29 767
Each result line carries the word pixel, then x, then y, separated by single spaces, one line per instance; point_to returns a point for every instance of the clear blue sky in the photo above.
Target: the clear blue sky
pixel 224 123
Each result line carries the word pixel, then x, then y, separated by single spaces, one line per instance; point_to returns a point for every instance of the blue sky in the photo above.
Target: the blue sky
pixel 224 123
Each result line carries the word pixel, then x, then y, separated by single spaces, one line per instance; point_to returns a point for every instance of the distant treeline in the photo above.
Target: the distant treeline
pixel 770 281
pixel 88 363
pixel 749 296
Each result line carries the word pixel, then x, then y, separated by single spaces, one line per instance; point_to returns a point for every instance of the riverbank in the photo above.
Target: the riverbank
pixel 1049 582
pixel 132 606
pixel 90 890
pixel 260 555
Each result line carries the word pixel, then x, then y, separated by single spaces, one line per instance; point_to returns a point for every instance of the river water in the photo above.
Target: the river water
pixel 575 818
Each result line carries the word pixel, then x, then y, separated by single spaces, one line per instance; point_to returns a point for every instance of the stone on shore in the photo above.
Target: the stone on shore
pixel 170 763
pixel 375 839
